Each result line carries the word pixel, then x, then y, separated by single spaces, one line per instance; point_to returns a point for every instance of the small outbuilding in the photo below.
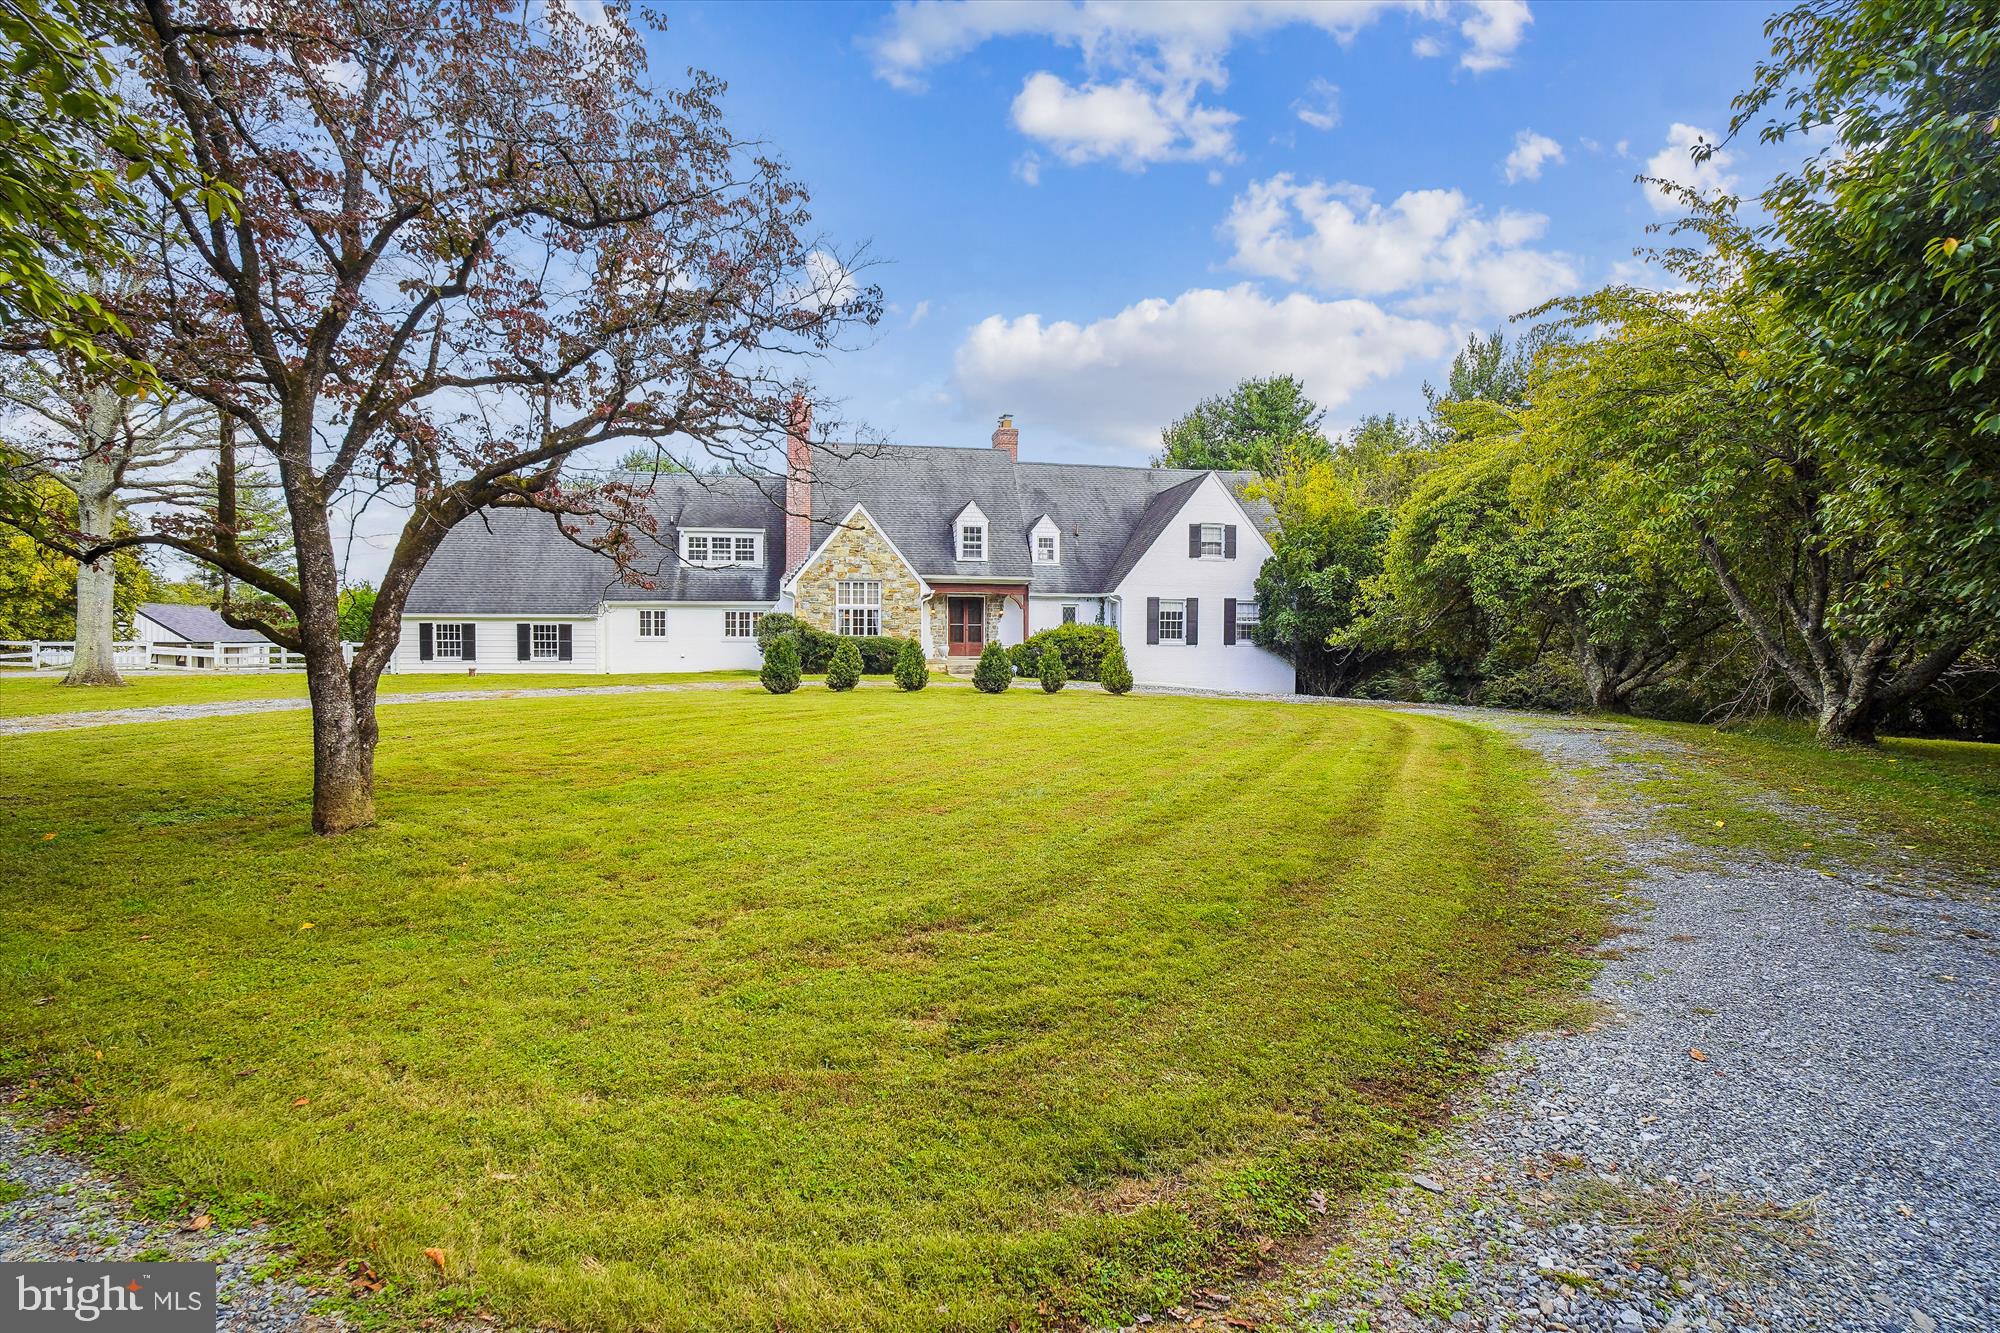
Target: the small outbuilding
pixel 175 635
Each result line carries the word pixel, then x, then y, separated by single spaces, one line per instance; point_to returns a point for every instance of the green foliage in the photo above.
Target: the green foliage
pixel 1113 674
pixel 781 666
pixel 38 586
pixel 816 647
pixel 1082 647
pixel 843 669
pixel 357 604
pixel 995 671
pixel 1254 426
pixel 263 532
pixel 1487 373
pixel 912 671
pixel 1329 544
pixel 1051 670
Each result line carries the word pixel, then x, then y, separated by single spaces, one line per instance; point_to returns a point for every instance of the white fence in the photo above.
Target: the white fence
pixel 51 654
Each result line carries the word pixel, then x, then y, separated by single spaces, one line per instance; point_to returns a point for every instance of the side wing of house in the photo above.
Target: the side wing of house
pixel 1187 600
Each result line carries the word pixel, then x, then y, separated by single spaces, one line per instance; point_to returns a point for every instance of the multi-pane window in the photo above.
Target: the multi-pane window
pixel 1173 622
pixel 858 603
pixel 740 624
pixel 1045 548
pixel 972 541
pixel 448 640
pixel 1246 620
pixel 1069 613
pixel 545 641
pixel 1211 541
pixel 722 548
pixel 652 624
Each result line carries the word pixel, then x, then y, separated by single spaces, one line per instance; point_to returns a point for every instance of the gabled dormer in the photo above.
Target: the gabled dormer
pixel 972 536
pixel 1045 542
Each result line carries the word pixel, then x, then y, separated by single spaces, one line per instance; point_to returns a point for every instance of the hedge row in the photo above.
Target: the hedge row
pixel 816 647
pixel 1082 647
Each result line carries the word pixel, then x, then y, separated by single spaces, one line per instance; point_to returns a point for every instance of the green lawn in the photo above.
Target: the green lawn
pixel 24 695
pixel 731 1011
pixel 1938 799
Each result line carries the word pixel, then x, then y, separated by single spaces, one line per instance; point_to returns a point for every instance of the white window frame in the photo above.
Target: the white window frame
pixel 752 619
pixel 1054 548
pixel 857 605
pixel 537 641
pixel 1069 613
pixel 1178 606
pixel 652 623
pixel 968 534
pixel 1247 618
pixel 457 631
pixel 1221 551
pixel 699 548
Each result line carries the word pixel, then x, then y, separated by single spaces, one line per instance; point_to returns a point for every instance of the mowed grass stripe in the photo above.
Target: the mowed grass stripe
pixel 703 1011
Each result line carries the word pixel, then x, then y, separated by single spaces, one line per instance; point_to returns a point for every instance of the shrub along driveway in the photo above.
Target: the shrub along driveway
pixel 709 1010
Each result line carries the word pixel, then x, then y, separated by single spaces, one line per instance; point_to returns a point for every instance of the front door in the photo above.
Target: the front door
pixel 968 626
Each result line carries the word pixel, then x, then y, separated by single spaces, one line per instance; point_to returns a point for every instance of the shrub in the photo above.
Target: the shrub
pixel 1054 675
pixel 912 672
pixel 816 647
pixel 1114 675
pixel 781 666
pixel 995 671
pixel 1550 683
pixel 1082 646
pixel 843 669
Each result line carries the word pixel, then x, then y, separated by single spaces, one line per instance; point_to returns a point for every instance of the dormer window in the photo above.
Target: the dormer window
pixel 971 528
pixel 1045 541
pixel 721 550
pixel 1045 549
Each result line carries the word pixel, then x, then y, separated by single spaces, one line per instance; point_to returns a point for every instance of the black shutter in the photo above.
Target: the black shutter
pixel 1228 619
pixel 563 649
pixel 470 651
pixel 1193 622
pixel 1152 620
pixel 1229 541
pixel 1194 541
pixel 424 641
pixel 524 642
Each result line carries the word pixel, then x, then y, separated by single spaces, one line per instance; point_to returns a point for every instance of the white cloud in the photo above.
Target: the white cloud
pixel 1028 169
pixel 1589 145
pixel 1432 250
pixel 1120 378
pixel 1676 163
pixel 917 314
pixel 1531 152
pixel 1320 107
pixel 1493 30
pixel 1146 66
pixel 1124 122
pixel 1427 48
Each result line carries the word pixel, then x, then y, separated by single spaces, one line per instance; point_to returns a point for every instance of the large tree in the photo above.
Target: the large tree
pixel 474 240
pixel 1256 426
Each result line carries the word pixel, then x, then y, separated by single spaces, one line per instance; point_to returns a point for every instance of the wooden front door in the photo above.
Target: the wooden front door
pixel 968 626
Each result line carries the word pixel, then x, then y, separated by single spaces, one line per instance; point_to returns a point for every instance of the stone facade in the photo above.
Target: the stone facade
pixel 941 621
pixel 858 550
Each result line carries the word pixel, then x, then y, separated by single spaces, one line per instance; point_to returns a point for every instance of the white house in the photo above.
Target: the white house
pixel 195 636
pixel 950 546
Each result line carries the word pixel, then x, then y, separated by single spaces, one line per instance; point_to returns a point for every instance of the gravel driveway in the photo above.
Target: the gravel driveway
pixel 1786 1116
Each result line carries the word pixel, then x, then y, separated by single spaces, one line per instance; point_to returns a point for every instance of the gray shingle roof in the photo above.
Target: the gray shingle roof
pixel 507 562
pixel 196 624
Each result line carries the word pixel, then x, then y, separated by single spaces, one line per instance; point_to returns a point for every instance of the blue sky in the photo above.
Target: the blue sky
pixel 1091 215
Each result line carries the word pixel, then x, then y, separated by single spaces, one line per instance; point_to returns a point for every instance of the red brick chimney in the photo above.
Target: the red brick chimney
pixel 798 484
pixel 1006 438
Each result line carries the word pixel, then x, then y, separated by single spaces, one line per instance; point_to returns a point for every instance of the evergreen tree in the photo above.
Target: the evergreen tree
pixel 912 672
pixel 843 669
pixel 781 666
pixel 1053 674
pixel 995 671
pixel 1114 675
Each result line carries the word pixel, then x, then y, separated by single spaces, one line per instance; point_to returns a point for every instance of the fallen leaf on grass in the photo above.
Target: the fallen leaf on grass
pixel 436 1256
pixel 302 1101
pixel 48 837
pixel 1317 1201
pixel 200 1223
pixel 364 1279
pixel 1697 1053
pixel 305 925
pixel 505 1175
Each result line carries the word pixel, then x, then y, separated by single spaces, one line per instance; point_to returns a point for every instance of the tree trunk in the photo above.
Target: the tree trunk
pixel 95 662
pixel 344 736
pixel 1605 686
pixel 1845 720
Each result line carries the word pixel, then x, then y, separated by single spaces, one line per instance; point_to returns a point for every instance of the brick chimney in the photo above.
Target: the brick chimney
pixel 1006 438
pixel 798 484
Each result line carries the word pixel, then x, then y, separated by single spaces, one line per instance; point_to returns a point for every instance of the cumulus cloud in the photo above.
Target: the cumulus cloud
pixel 1320 107
pixel 1676 163
pixel 1117 377
pixel 1432 250
pixel 1147 66
pixel 1124 122
pixel 1531 153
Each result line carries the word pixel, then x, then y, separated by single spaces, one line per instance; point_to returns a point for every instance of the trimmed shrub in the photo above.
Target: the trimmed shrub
pixel 781 666
pixel 995 671
pixel 1082 646
pixel 1054 674
pixel 912 672
pixel 1114 675
pixel 843 669
pixel 816 647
